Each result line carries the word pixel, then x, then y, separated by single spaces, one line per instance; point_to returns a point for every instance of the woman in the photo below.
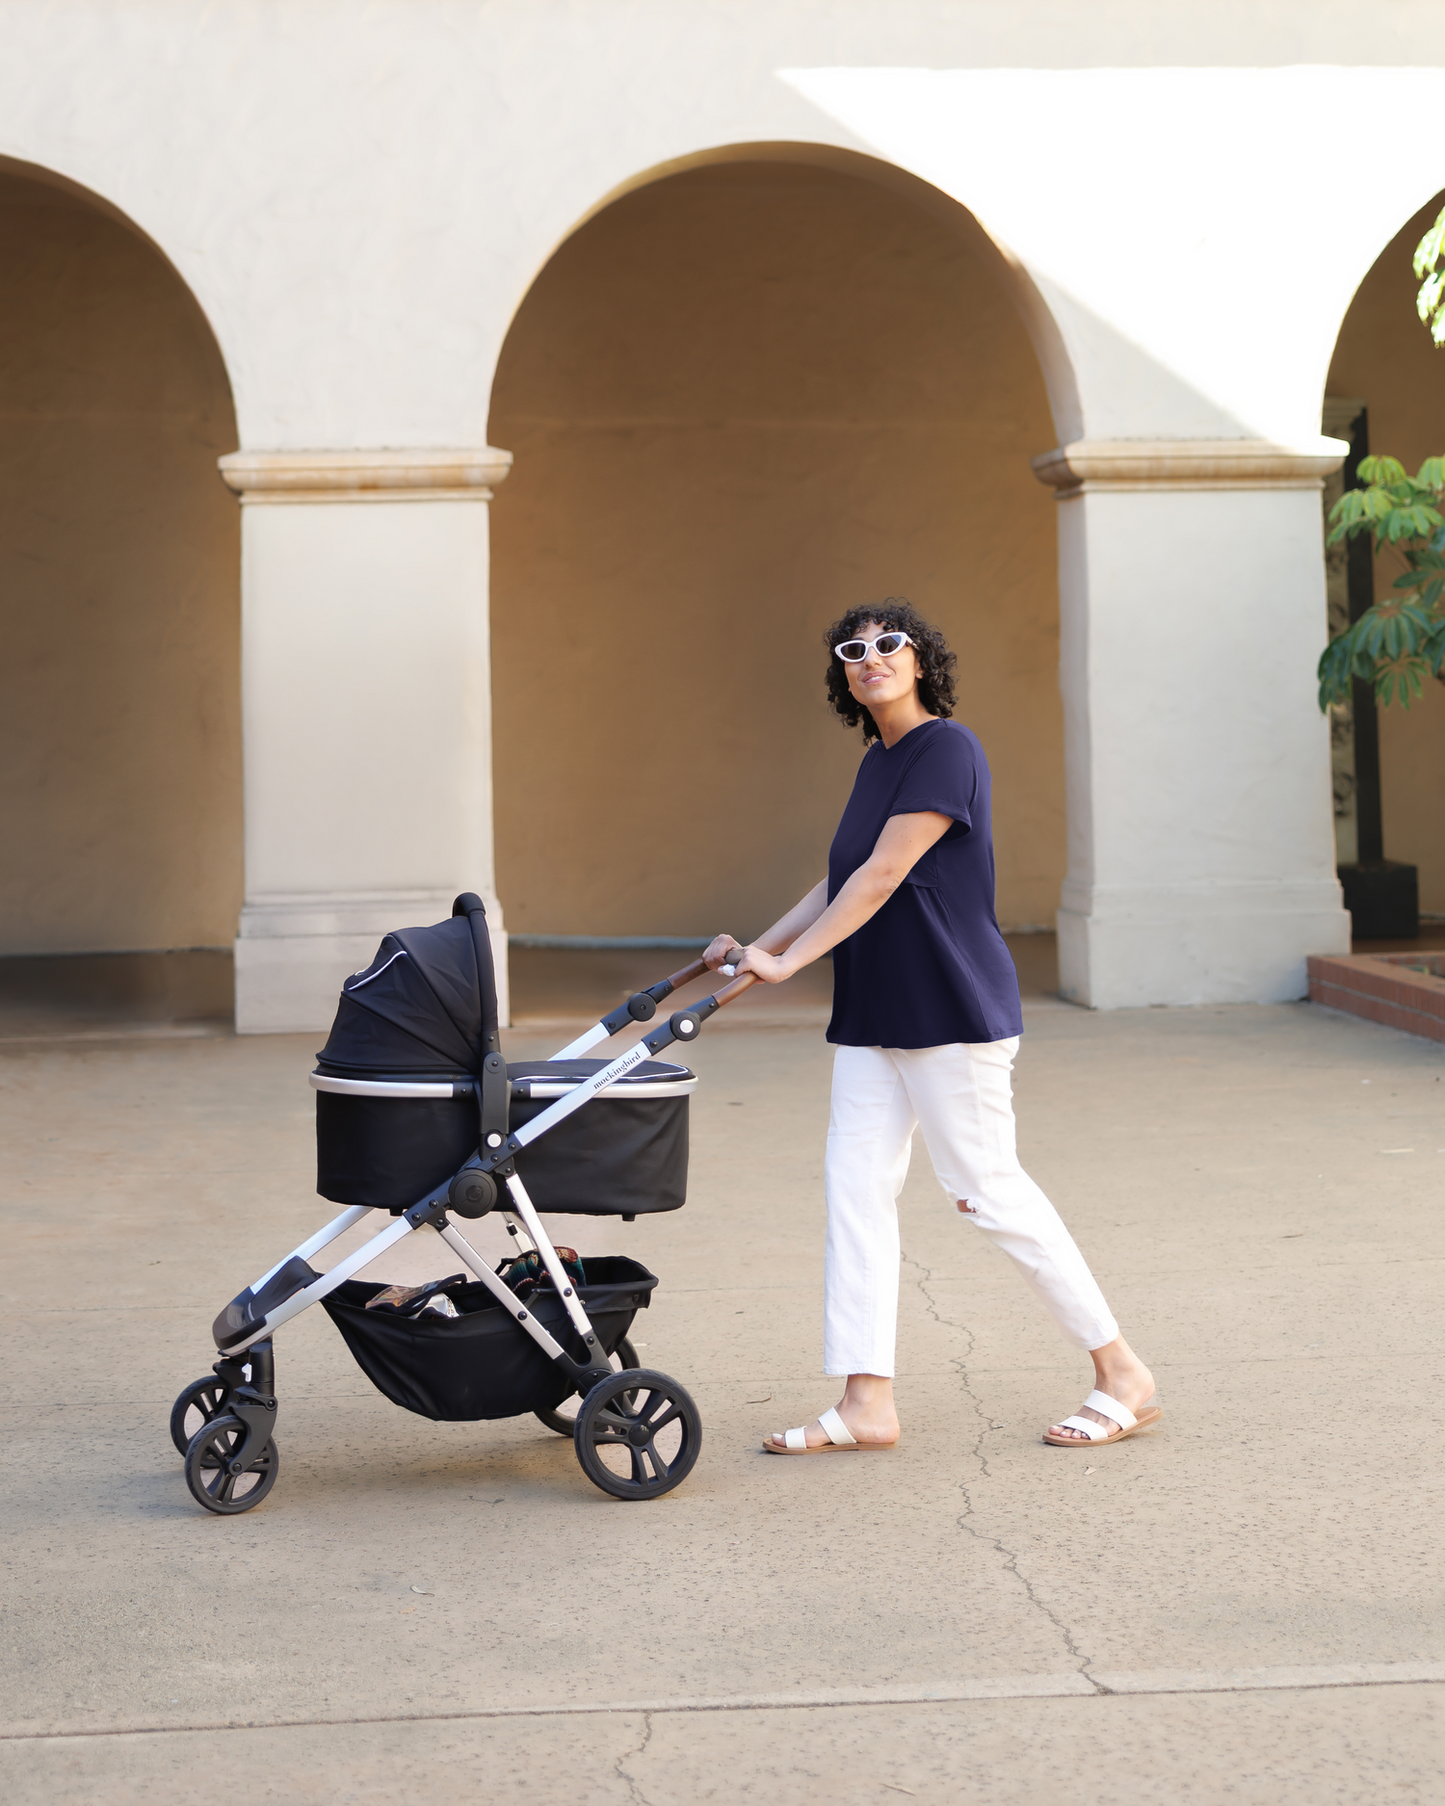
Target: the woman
pixel 926 1019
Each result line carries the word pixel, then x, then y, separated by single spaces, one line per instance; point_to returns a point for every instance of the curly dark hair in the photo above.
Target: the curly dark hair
pixel 936 662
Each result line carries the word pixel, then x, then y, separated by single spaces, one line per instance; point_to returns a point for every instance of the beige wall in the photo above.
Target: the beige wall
pixel 120 792
pixel 1386 359
pixel 740 400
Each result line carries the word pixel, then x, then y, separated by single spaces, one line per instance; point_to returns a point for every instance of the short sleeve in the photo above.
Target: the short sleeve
pixel 943 778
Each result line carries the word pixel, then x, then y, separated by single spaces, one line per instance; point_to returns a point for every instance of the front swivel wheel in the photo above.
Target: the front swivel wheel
pixel 638 1434
pixel 201 1403
pixel 217 1475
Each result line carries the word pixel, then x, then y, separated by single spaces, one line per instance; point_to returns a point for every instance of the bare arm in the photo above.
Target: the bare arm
pixel 783 932
pixel 813 926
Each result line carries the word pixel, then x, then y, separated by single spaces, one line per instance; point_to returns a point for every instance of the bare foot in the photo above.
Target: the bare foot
pixel 1119 1372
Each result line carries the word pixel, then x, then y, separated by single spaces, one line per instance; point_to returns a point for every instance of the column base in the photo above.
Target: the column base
pixel 1236 943
pixel 292 954
pixel 1383 898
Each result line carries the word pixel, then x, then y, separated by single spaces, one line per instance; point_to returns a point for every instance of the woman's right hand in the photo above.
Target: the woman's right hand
pixel 719 948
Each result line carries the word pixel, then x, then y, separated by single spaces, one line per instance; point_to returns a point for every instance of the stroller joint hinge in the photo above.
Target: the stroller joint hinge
pixel 586 1374
pixel 681 1025
pixel 430 1210
pixel 496 1099
pixel 641 1007
pixel 498 1161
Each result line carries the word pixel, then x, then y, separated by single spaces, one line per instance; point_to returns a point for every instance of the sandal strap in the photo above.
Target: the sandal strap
pixel 1110 1407
pixel 1094 1431
pixel 796 1439
pixel 837 1431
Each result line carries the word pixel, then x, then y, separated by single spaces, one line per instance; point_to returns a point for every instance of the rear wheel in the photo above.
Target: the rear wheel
pixel 564 1419
pixel 214 1474
pixel 638 1434
pixel 201 1403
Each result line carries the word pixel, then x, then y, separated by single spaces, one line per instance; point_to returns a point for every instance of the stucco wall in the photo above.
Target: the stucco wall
pixel 120 792
pixel 740 400
pixel 371 187
pixel 1385 358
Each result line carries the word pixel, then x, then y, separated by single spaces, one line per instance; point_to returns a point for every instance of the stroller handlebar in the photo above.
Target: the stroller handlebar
pixel 697 969
pixel 682 1025
pixel 743 982
pixel 640 1007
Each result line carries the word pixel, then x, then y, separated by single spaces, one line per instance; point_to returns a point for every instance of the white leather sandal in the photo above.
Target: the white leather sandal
pixel 795 1442
pixel 1125 1422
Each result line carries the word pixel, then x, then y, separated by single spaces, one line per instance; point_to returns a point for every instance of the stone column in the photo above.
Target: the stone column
pixel 1192 604
pixel 366 704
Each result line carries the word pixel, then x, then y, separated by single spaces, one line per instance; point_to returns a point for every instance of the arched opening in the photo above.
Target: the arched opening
pixel 1386 390
pixel 740 399
pixel 120 774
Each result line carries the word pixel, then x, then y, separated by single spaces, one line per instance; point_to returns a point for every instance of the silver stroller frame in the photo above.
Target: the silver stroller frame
pixel 245 1386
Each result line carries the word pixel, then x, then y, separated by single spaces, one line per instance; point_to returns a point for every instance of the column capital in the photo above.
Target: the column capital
pixel 1090 465
pixel 366 476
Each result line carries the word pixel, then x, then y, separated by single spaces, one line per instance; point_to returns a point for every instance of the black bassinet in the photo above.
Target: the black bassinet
pixel 398 1093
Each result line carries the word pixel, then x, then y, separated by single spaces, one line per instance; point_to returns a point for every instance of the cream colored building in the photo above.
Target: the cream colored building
pixel 675 327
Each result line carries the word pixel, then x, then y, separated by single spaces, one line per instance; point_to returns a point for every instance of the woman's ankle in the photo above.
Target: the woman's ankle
pixel 868 1392
pixel 1117 1366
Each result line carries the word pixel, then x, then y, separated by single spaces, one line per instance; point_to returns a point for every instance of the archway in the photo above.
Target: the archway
pixel 741 398
pixel 1387 382
pixel 120 774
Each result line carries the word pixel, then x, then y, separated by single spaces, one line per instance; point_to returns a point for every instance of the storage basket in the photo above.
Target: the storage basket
pixel 480 1364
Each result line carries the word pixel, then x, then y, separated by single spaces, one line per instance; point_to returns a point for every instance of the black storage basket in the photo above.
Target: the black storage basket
pixel 482 1364
pixel 621 1154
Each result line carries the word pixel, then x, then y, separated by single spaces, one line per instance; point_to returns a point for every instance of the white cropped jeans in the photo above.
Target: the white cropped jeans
pixel 962 1098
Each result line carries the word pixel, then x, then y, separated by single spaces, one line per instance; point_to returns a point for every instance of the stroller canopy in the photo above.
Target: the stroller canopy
pixel 426 1003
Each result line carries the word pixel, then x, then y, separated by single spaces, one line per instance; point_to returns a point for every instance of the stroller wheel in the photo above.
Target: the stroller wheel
pixel 200 1403
pixel 564 1419
pixel 208 1472
pixel 637 1434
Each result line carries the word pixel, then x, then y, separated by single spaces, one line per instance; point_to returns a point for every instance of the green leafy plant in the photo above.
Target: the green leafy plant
pixel 1431 298
pixel 1400 641
pixel 1430 302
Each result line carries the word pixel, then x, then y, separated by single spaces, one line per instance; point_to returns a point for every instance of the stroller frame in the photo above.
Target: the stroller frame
pixel 239 1407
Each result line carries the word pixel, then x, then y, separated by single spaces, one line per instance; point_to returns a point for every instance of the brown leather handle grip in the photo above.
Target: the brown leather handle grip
pixel 685 977
pixel 742 983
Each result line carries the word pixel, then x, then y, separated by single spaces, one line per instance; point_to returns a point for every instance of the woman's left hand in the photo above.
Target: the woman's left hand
pixel 772 968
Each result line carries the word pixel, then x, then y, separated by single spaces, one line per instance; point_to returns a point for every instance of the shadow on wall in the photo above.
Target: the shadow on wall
pixel 62 996
pixel 740 400
pixel 120 742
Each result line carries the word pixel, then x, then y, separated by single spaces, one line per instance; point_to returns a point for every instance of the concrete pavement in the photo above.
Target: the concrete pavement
pixel 1244 1606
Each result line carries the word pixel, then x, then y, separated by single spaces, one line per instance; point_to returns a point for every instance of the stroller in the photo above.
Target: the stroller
pixel 419 1115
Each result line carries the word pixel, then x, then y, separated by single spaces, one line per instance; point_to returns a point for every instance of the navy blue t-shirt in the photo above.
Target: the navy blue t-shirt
pixel 930 967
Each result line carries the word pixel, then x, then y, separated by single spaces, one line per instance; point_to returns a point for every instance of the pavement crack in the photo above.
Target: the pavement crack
pixel 978 1454
pixel 635 1793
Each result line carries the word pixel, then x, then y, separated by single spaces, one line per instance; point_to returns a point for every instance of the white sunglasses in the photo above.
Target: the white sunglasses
pixel 853 652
